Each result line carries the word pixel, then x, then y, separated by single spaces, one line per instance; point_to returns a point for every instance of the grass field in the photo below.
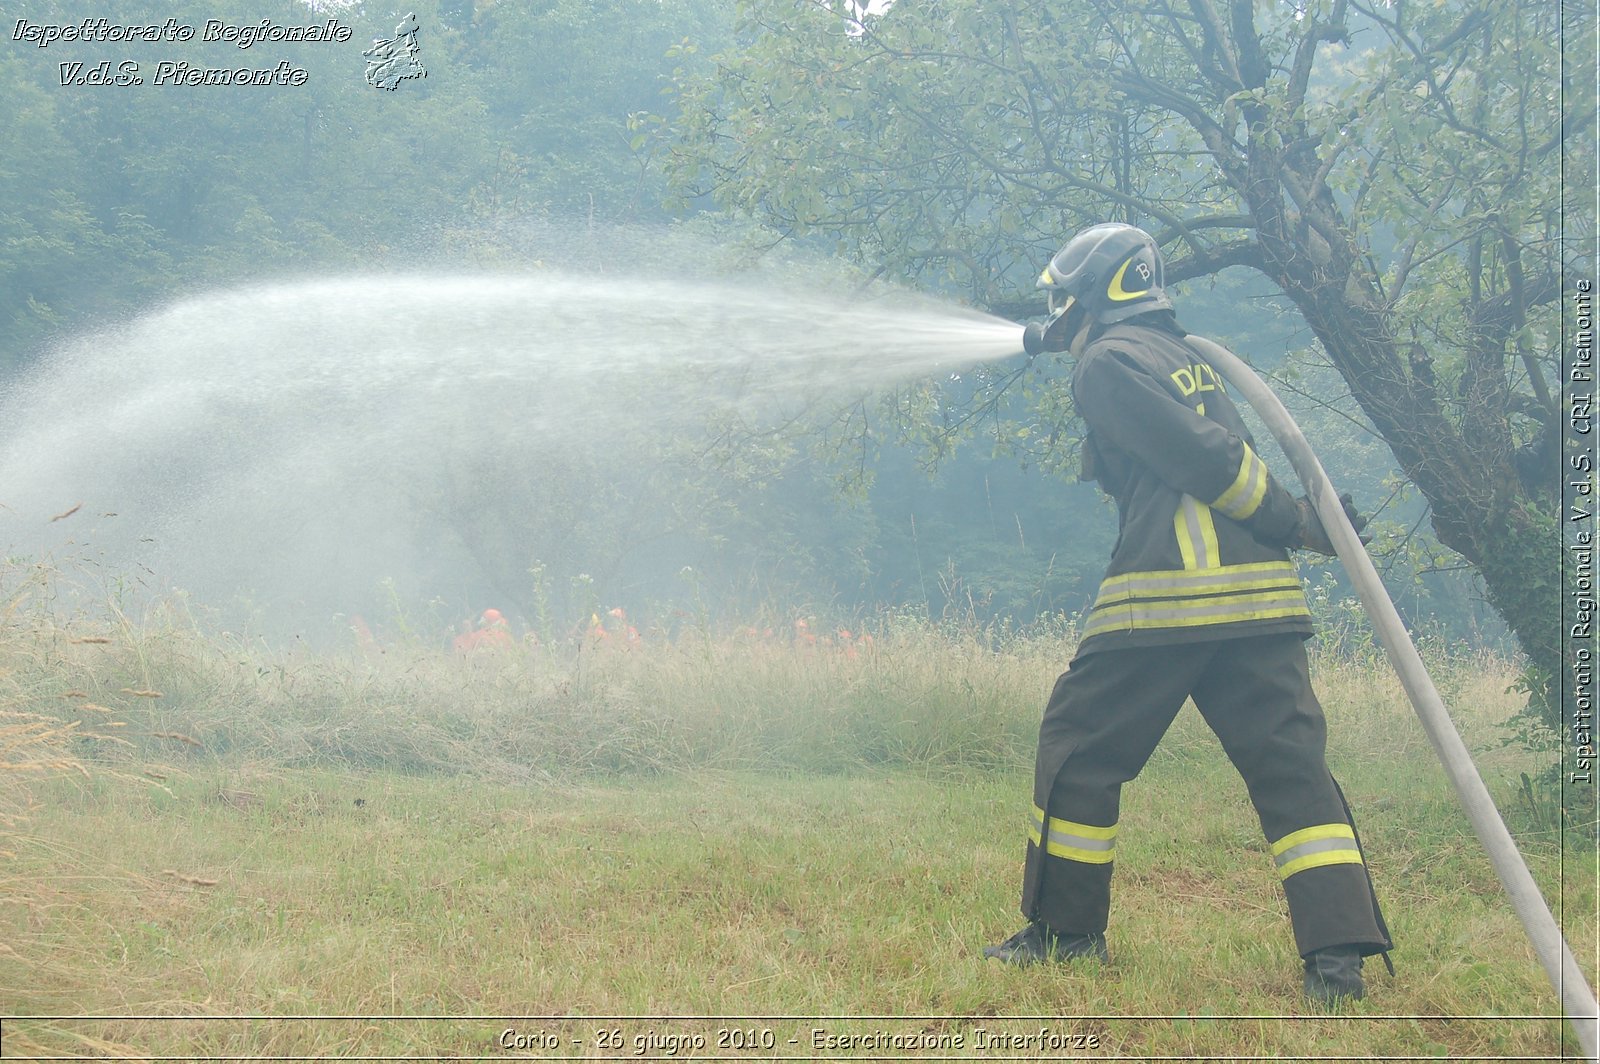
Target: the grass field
pixel 734 847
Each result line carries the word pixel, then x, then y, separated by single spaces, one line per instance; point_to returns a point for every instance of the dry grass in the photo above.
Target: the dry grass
pixel 196 825
pixel 523 713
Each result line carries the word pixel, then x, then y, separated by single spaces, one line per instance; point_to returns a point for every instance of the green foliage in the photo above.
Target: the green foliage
pixel 135 193
pixel 949 145
pixel 1393 171
pixel 1552 805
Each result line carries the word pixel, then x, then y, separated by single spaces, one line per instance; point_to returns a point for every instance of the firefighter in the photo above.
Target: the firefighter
pixel 1200 600
pixel 492 631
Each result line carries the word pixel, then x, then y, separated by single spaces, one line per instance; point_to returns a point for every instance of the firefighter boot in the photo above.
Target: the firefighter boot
pixel 1040 942
pixel 1333 975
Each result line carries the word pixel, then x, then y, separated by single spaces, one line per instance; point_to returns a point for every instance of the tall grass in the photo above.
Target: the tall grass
pixel 912 695
pixel 721 823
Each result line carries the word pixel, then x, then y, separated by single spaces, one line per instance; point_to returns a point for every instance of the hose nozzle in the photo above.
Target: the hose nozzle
pixel 1033 339
pixel 1048 335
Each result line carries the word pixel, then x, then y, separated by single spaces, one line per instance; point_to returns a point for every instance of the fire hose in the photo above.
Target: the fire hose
pixel 1577 999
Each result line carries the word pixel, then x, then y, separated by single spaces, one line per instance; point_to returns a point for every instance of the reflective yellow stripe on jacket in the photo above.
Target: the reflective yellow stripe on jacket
pixel 1197 535
pixel 1314 847
pixel 1073 841
pixel 1221 594
pixel 1244 495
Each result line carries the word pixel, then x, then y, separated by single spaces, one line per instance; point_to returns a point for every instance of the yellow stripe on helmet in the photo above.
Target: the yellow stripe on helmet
pixel 1116 293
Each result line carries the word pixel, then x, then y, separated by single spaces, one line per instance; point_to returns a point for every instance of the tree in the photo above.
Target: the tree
pixel 1393 167
pixel 121 196
pixel 559 80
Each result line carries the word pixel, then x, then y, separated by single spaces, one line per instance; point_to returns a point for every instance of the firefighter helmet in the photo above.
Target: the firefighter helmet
pixel 1112 270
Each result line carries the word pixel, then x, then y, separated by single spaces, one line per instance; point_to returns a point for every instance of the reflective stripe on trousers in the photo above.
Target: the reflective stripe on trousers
pixel 1073 841
pixel 1314 847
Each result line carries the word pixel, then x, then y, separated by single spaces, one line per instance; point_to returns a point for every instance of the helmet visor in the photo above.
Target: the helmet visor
pixel 1058 301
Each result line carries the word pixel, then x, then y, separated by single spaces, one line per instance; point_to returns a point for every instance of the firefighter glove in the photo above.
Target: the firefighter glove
pixel 1314 537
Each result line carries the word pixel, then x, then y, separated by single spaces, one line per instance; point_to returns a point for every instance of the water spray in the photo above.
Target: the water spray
pixel 1578 1000
pixel 281 451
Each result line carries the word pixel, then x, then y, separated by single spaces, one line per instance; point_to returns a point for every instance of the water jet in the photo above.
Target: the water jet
pixel 295 444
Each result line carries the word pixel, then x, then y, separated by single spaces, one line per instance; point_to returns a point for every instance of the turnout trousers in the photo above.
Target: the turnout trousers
pixel 1102 723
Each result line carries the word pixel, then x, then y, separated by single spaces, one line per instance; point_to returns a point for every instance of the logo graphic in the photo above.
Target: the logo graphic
pixel 389 62
pixel 1117 292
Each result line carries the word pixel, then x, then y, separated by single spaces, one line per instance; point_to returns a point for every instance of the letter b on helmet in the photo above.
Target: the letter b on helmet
pixel 1113 270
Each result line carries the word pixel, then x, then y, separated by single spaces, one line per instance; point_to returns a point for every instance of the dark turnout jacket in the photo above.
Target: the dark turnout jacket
pixel 1203 526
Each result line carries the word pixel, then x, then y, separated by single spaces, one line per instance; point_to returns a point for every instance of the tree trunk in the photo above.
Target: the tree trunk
pixel 1467 471
pixel 1459 450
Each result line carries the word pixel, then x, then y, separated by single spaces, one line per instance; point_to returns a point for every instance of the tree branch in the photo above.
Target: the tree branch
pixel 1437 93
pixel 1306 53
pixel 1253 65
pixel 1519 320
pixel 1215 260
pixel 1216 35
